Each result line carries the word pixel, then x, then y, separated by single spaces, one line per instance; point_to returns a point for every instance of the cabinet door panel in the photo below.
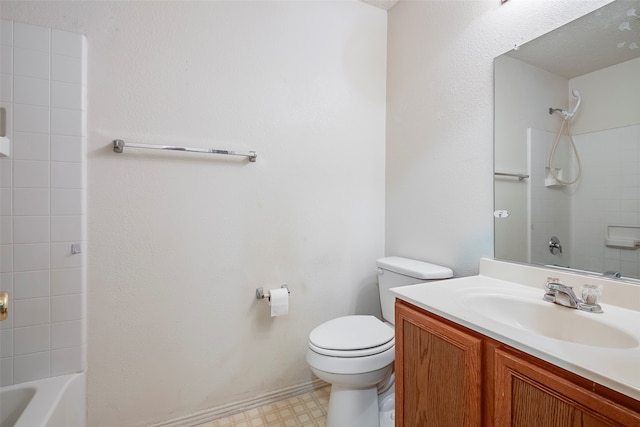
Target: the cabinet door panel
pixel 528 396
pixel 438 381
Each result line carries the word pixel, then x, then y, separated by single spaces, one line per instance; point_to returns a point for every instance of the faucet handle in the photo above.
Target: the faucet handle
pixel 553 283
pixel 591 294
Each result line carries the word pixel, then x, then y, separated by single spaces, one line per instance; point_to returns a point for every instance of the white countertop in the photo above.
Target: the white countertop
pixel 615 365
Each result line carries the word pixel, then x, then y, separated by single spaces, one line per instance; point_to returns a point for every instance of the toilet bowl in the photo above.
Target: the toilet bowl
pixel 355 353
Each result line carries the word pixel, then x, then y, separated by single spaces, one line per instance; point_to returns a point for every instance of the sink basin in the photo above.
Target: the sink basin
pixel 550 320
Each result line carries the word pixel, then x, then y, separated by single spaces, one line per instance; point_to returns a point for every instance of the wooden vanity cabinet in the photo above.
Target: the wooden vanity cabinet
pixel 448 375
pixel 438 372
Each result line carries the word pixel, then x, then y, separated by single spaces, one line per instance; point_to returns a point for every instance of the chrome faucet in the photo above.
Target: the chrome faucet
pixel 564 295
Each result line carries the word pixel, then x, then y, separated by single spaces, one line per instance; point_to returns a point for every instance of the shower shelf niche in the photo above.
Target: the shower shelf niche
pixel 622 236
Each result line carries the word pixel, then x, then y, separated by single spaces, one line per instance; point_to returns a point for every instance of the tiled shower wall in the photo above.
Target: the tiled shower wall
pixel 550 206
pixel 42 203
pixel 609 194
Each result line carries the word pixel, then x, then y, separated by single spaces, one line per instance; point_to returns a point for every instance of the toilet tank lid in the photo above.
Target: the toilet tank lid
pixel 414 268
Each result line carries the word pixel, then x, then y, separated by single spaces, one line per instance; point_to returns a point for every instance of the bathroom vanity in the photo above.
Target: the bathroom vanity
pixel 488 350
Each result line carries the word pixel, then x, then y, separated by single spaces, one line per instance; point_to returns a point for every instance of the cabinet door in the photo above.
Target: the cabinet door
pixel 528 395
pixel 438 372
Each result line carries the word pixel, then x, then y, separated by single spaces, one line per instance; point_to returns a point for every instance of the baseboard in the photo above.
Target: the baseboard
pixel 207 415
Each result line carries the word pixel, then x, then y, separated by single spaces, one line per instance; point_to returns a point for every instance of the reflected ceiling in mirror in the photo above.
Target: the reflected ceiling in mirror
pixel 541 221
pixel 605 37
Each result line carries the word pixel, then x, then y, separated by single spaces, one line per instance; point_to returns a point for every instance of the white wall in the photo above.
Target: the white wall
pixel 440 120
pixel 42 209
pixel 179 242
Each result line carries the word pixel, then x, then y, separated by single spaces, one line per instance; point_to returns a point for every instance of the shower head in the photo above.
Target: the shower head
pixel 576 94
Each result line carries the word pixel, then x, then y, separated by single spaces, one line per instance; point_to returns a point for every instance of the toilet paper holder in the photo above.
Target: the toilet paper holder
pixel 261 295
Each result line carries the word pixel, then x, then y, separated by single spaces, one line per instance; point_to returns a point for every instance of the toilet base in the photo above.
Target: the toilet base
pixel 387 407
pixel 349 407
pixel 387 419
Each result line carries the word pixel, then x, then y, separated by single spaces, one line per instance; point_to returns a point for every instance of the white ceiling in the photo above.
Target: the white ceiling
pixel 382 4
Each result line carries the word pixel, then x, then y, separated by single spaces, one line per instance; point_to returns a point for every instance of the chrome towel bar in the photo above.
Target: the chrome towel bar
pixel 515 175
pixel 118 147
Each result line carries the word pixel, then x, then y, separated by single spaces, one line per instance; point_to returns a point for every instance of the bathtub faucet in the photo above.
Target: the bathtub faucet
pixel 4 305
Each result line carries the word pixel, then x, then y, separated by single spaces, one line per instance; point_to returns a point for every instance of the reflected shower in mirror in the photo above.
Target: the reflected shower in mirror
pixel 567 118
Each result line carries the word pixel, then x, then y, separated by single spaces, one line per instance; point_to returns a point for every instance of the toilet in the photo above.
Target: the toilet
pixel 355 354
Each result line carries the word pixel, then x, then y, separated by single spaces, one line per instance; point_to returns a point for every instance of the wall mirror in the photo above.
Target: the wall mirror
pixel 567 146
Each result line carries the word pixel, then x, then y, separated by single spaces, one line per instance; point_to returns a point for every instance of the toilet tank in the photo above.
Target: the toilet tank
pixel 397 271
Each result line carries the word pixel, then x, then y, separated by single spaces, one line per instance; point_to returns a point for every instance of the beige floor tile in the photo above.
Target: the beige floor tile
pixel 307 410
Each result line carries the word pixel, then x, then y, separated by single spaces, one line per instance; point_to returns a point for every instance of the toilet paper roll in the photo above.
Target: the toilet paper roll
pixel 279 302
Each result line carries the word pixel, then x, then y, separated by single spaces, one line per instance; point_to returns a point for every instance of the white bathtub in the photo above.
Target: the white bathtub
pixel 52 402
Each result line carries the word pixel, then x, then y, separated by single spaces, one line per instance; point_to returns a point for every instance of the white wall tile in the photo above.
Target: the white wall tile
pixel 8 107
pixel 66 334
pixel 66 43
pixel 31 367
pixel 31 36
pixel 31 201
pixel 29 90
pixel 31 312
pixel 66 228
pixel 31 339
pixel 61 256
pixel 31 229
pixel 66 69
pixel 8 322
pixel 6 283
pixel 6 342
pixel 31 257
pixel 30 118
pixel 83 123
pixel 66 281
pixel 66 175
pixel 6 86
pixel 6 173
pixel 6 371
pixel 6 258
pixel 6 32
pixel 27 201
pixel 6 59
pixel 66 122
pixel 31 63
pixel 30 146
pixel 67 95
pixel 6 230
pixel 31 284
pixel 30 174
pixel 66 361
pixel 66 202
pixel 65 148
pixel 66 308
pixel 6 201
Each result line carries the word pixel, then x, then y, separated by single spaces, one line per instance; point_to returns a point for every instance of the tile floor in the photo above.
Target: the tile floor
pixel 305 410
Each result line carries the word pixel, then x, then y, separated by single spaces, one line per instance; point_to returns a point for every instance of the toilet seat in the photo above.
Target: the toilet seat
pixel 352 336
